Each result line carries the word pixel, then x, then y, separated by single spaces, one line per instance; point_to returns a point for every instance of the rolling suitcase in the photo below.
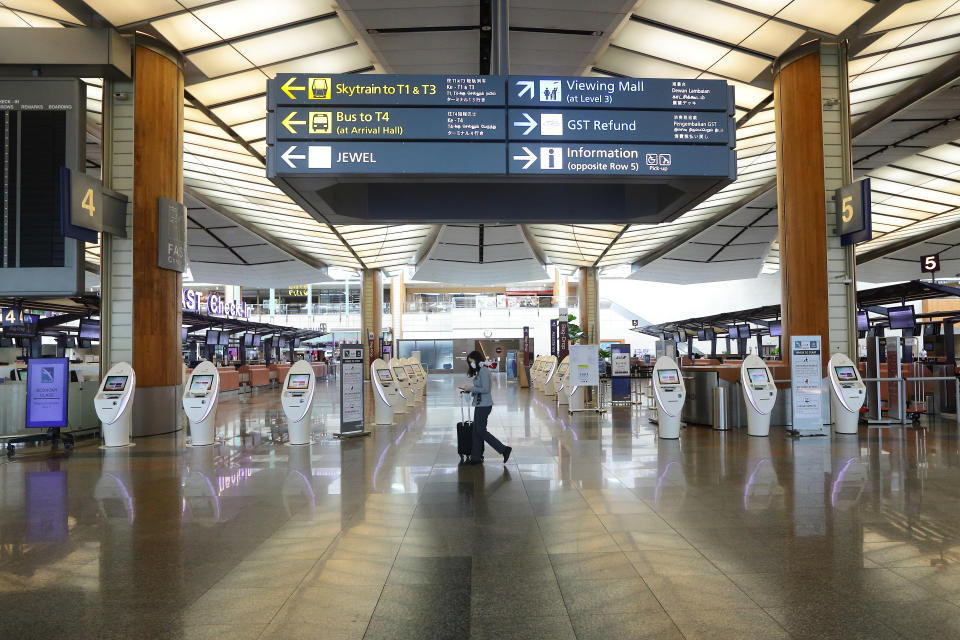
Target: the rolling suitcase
pixel 464 432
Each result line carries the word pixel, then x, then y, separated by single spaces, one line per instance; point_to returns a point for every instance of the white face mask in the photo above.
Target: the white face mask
pixel 473 365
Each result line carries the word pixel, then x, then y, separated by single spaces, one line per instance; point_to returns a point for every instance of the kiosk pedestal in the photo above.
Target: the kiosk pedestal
pixel 759 394
pixel 847 394
pixel 670 393
pixel 386 395
pixel 578 399
pixel 296 398
pixel 200 397
pixel 114 404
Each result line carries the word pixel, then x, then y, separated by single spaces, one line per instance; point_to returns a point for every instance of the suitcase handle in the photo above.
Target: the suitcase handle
pixel 463 397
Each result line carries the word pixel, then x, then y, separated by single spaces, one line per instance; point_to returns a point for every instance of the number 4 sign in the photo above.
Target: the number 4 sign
pixel 930 264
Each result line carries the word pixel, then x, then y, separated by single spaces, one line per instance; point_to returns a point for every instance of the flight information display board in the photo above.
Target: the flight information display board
pixel 429 125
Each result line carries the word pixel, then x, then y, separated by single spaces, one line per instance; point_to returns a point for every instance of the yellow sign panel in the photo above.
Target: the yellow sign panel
pixel 321 122
pixel 319 88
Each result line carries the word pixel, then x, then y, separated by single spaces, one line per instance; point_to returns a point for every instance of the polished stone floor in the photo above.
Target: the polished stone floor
pixel 595 529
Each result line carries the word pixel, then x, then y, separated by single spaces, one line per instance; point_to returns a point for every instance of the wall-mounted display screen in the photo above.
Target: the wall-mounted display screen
pixel 298 381
pixel 213 336
pixel 668 376
pixel 758 376
pixel 846 373
pixel 901 317
pixel 90 329
pixel 201 384
pixel 776 328
pixel 115 383
pixel 862 323
pixel 384 375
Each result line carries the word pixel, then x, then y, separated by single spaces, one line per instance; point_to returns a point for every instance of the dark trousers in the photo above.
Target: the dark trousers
pixel 480 433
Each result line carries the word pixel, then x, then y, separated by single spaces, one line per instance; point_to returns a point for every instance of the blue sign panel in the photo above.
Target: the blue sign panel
pixel 343 158
pixel 385 123
pixel 319 90
pixel 47 385
pixel 694 127
pixel 620 93
pixel 621 159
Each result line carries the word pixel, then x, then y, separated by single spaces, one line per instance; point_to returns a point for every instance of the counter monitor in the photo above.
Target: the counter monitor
pixel 224 339
pixel 384 375
pixel 115 383
pixel 668 376
pixel 298 381
pixel 90 329
pixel 201 384
pixel 862 323
pixel 846 373
pixel 901 317
pixel 758 376
pixel 733 332
pixel 776 328
pixel 213 337
pixel 183 334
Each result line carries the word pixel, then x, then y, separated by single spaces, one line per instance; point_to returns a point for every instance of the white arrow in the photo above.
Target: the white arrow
pixel 527 86
pixel 529 123
pixel 530 157
pixel 288 156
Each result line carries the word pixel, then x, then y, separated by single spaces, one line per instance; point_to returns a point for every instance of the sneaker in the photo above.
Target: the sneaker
pixel 506 454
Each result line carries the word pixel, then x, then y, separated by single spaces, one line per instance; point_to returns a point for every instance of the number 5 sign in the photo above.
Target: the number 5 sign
pixel 853 212
pixel 930 264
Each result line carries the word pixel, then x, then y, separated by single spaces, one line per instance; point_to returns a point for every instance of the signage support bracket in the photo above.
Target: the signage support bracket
pixel 500 43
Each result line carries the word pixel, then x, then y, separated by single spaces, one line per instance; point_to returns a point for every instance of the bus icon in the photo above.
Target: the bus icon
pixel 320 121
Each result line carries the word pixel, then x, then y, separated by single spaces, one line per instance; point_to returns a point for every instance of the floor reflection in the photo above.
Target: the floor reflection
pixel 595 529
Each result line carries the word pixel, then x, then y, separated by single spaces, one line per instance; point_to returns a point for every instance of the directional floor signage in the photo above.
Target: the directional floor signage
pixel 319 90
pixel 386 123
pixel 620 159
pixel 620 93
pixel 453 158
pixel 622 126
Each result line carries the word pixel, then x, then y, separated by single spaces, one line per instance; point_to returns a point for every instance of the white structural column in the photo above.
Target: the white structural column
pixel 588 293
pixel 116 271
pixel 398 295
pixel 838 171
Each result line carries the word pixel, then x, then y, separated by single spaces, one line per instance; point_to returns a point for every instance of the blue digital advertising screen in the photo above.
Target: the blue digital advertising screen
pixel 47 386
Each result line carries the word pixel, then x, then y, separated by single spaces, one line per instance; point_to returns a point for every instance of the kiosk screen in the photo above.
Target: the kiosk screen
pixel 298 381
pixel 384 375
pixel 115 383
pixel 846 373
pixel 758 376
pixel 409 369
pixel 668 376
pixel 563 369
pixel 201 384
pixel 399 373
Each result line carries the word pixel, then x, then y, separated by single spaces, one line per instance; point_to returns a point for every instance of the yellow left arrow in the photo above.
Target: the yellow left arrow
pixel 288 88
pixel 288 122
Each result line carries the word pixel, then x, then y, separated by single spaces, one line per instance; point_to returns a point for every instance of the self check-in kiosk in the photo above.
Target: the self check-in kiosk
pixel 414 377
pixel 296 398
pixel 535 370
pixel 386 393
pixel 550 381
pixel 200 397
pixel 759 394
pixel 547 369
pixel 561 380
pixel 403 385
pixel 670 393
pixel 114 404
pixel 847 393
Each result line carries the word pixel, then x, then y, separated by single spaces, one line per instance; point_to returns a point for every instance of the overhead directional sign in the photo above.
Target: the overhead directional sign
pixel 622 125
pixel 619 159
pixel 319 90
pixel 386 123
pixel 620 93
pixel 454 158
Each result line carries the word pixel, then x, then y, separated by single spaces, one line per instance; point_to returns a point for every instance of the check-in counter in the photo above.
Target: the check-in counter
pixel 229 379
pixel 704 376
pixel 319 369
pixel 80 409
pixel 257 374
pixel 278 372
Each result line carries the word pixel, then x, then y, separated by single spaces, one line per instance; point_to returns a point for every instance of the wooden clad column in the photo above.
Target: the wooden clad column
pixel 588 295
pixel 157 172
pixel 800 195
pixel 371 313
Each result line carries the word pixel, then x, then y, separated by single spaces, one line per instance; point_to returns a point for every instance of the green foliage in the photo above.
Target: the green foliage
pixel 574 332
pixel 605 353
